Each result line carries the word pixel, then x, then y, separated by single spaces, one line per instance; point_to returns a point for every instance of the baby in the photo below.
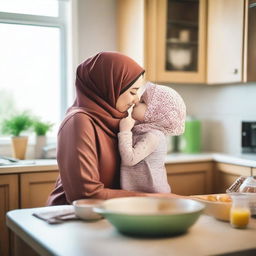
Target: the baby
pixel 143 146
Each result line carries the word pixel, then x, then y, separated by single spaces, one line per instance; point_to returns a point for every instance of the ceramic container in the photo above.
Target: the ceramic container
pixel 218 209
pixel 149 216
pixel 84 209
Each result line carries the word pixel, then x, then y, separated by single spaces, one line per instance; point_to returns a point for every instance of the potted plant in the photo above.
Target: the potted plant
pixel 15 125
pixel 40 128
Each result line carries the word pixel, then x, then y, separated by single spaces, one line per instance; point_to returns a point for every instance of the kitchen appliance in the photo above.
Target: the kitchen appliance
pixel 249 137
pixel 190 141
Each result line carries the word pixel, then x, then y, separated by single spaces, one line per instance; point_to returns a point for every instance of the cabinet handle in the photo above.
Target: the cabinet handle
pixel 235 71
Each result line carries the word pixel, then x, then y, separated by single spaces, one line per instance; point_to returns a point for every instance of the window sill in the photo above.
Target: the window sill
pixel 5 141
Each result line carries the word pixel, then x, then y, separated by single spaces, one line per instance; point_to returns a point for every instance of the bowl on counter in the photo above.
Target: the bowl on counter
pixel 84 209
pixel 149 216
pixel 216 205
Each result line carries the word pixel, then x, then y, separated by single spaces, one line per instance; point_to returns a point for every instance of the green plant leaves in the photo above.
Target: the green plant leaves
pixel 16 124
pixel 41 128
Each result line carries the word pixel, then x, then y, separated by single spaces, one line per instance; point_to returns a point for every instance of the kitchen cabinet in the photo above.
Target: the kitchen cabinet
pixel 8 201
pixel 254 172
pixel 36 187
pixel 250 41
pixel 225 41
pixel 206 44
pixel 190 178
pixel 23 187
pixel 226 174
pixel 164 37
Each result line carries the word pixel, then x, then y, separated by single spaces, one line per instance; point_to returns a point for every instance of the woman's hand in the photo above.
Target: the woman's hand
pixel 126 124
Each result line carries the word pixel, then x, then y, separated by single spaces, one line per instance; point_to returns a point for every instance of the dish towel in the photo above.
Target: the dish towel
pixel 56 214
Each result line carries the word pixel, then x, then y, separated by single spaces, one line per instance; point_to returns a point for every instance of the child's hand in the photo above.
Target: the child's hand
pixel 126 124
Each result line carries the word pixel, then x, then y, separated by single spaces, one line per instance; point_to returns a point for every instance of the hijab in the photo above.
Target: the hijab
pixel 100 80
pixel 166 111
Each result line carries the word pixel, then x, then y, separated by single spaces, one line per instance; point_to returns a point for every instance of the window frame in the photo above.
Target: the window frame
pixel 61 22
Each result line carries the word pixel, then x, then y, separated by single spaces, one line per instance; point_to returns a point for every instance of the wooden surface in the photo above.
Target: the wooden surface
pixel 190 178
pixel 225 41
pixel 251 43
pixel 254 171
pixel 207 237
pixel 8 201
pixel 226 174
pixel 163 75
pixel 36 187
pixel 22 189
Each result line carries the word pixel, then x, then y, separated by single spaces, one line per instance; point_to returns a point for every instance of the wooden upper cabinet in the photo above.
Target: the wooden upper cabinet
pixel 195 41
pixel 180 41
pixel 164 37
pixel 250 41
pixel 225 41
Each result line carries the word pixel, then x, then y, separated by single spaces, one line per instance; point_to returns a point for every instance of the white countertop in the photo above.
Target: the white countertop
pixel 240 159
pixel 207 236
pixel 173 158
pixel 36 165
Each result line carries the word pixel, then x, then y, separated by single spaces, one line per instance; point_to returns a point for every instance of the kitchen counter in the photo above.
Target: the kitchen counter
pixel 51 164
pixel 207 237
pixel 24 166
pixel 240 159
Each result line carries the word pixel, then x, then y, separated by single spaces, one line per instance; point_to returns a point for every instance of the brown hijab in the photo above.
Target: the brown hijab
pixel 87 152
pixel 100 80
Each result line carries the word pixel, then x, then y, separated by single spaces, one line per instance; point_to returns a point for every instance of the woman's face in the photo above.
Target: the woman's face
pixel 129 97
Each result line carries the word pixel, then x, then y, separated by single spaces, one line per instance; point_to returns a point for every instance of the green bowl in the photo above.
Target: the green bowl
pixel 149 216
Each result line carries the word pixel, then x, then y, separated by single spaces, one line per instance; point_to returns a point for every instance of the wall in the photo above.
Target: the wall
pixel 221 109
pixel 96 27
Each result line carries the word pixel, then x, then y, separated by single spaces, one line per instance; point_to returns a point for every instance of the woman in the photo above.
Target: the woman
pixel 107 86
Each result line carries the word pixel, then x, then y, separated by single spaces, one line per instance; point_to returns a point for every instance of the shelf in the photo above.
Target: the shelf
pixel 183 23
pixel 183 44
pixel 184 1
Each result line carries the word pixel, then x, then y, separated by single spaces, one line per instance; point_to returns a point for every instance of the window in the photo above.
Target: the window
pixel 33 62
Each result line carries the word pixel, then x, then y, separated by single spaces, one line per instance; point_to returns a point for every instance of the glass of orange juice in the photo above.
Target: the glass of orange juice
pixel 240 211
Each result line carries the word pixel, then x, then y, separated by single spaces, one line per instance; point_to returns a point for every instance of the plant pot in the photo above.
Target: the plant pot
pixel 19 146
pixel 40 143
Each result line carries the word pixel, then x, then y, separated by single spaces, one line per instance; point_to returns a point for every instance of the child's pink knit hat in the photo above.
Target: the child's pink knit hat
pixel 166 110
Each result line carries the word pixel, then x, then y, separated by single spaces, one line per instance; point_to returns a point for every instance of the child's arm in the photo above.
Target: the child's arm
pixel 132 155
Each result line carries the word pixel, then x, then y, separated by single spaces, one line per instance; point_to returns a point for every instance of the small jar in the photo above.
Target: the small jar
pixel 240 211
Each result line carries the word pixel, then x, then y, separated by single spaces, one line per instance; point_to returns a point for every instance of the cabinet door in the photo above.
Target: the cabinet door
pixel 190 178
pixel 225 41
pixel 36 187
pixel 226 174
pixel 180 36
pixel 250 41
pixel 8 201
pixel 254 172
